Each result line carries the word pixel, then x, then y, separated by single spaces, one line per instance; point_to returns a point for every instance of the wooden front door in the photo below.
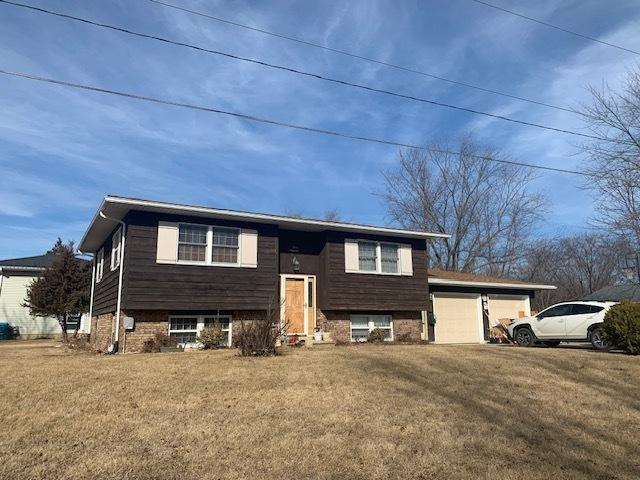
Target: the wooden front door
pixel 294 305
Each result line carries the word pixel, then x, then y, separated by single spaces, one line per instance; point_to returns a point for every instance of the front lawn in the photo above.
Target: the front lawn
pixel 366 412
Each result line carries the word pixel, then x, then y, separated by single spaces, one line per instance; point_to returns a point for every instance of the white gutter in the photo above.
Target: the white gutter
pixel 466 283
pixel 119 302
pixel 273 218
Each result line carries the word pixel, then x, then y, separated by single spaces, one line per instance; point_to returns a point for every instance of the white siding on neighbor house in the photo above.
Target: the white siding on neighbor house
pixel 13 291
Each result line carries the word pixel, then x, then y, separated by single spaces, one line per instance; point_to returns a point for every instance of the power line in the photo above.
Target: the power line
pixel 312 75
pixel 362 57
pixel 546 24
pixel 278 123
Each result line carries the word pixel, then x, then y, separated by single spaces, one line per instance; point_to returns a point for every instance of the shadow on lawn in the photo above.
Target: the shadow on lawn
pixel 555 439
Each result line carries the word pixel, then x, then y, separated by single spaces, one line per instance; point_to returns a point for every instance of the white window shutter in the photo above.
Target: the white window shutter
pixel 248 248
pixel 351 263
pixel 167 243
pixel 406 261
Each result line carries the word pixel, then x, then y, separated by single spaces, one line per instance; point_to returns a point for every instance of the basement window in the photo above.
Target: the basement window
pixel 362 325
pixel 185 328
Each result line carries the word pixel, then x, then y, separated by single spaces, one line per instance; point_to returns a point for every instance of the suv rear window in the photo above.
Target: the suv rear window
pixel 579 309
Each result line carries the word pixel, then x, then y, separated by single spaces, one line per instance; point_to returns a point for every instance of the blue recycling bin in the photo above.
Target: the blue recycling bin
pixel 5 331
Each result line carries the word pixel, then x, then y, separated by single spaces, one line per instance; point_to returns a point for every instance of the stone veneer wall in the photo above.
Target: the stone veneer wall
pixel 100 337
pixel 407 326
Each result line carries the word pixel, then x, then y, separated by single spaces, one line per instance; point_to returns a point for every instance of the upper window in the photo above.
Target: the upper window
pixel 208 245
pixel 367 256
pixel 116 249
pixel 378 257
pixel 389 258
pixel 224 248
pixel 192 243
pixel 99 265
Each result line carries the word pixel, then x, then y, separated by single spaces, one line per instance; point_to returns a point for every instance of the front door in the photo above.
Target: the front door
pixel 294 306
pixel 298 307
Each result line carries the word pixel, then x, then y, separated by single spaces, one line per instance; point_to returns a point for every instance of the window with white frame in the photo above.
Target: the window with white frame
pixel 362 325
pixel 222 321
pixel 99 265
pixel 378 257
pixel 185 328
pixel 192 243
pixel 367 256
pixel 116 248
pixel 208 245
pixel 225 245
pixel 389 258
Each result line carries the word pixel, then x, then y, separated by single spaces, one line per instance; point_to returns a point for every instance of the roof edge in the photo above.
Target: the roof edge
pixel 266 217
pixel 469 283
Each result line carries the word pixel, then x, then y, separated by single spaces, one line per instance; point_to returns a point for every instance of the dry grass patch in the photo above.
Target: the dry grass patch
pixel 359 413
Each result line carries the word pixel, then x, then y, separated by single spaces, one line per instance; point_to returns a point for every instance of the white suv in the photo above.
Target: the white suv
pixel 563 322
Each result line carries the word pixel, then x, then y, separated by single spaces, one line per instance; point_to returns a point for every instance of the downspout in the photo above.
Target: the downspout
pixel 114 347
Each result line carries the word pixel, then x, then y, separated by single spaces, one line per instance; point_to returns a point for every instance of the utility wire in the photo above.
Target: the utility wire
pixel 570 32
pixel 278 123
pixel 312 75
pixel 362 57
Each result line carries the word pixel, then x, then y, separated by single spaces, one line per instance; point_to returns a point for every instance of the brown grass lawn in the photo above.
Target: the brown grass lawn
pixel 366 412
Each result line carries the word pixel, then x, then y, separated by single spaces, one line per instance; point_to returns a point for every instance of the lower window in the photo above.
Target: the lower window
pixel 185 329
pixel 362 325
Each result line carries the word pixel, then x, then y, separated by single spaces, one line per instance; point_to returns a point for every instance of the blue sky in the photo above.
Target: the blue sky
pixel 62 150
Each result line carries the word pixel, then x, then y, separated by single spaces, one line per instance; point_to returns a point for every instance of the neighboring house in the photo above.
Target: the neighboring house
pixel 15 277
pixel 169 268
pixel 616 293
pixel 466 306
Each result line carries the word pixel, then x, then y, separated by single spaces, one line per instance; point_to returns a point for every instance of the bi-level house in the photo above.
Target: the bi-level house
pixel 165 267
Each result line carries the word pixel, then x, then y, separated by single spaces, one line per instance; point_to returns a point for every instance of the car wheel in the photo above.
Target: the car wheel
pixel 597 339
pixel 524 337
pixel 552 343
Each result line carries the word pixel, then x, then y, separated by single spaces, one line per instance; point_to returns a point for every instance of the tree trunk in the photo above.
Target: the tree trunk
pixel 62 320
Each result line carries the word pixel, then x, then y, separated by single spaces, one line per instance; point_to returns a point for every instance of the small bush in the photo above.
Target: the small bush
pixel 212 337
pixel 376 335
pixel 153 345
pixel 258 336
pixel 622 327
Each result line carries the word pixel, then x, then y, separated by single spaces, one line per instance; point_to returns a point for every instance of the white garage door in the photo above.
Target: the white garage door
pixel 508 306
pixel 458 318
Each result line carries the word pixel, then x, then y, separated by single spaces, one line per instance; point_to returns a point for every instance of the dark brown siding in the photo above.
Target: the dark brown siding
pixel 105 294
pixel 354 291
pixel 149 285
pixel 305 247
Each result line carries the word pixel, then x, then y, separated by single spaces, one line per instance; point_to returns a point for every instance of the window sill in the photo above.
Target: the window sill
pixel 365 272
pixel 205 264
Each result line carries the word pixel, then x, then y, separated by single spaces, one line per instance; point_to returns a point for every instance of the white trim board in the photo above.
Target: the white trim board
pixel 467 283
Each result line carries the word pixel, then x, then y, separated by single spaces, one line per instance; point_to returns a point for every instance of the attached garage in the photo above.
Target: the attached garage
pixel 508 306
pixel 464 306
pixel 458 318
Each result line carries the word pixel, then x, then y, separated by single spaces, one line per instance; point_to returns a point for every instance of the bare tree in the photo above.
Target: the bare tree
pixel 578 265
pixel 332 215
pixel 487 207
pixel 614 116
